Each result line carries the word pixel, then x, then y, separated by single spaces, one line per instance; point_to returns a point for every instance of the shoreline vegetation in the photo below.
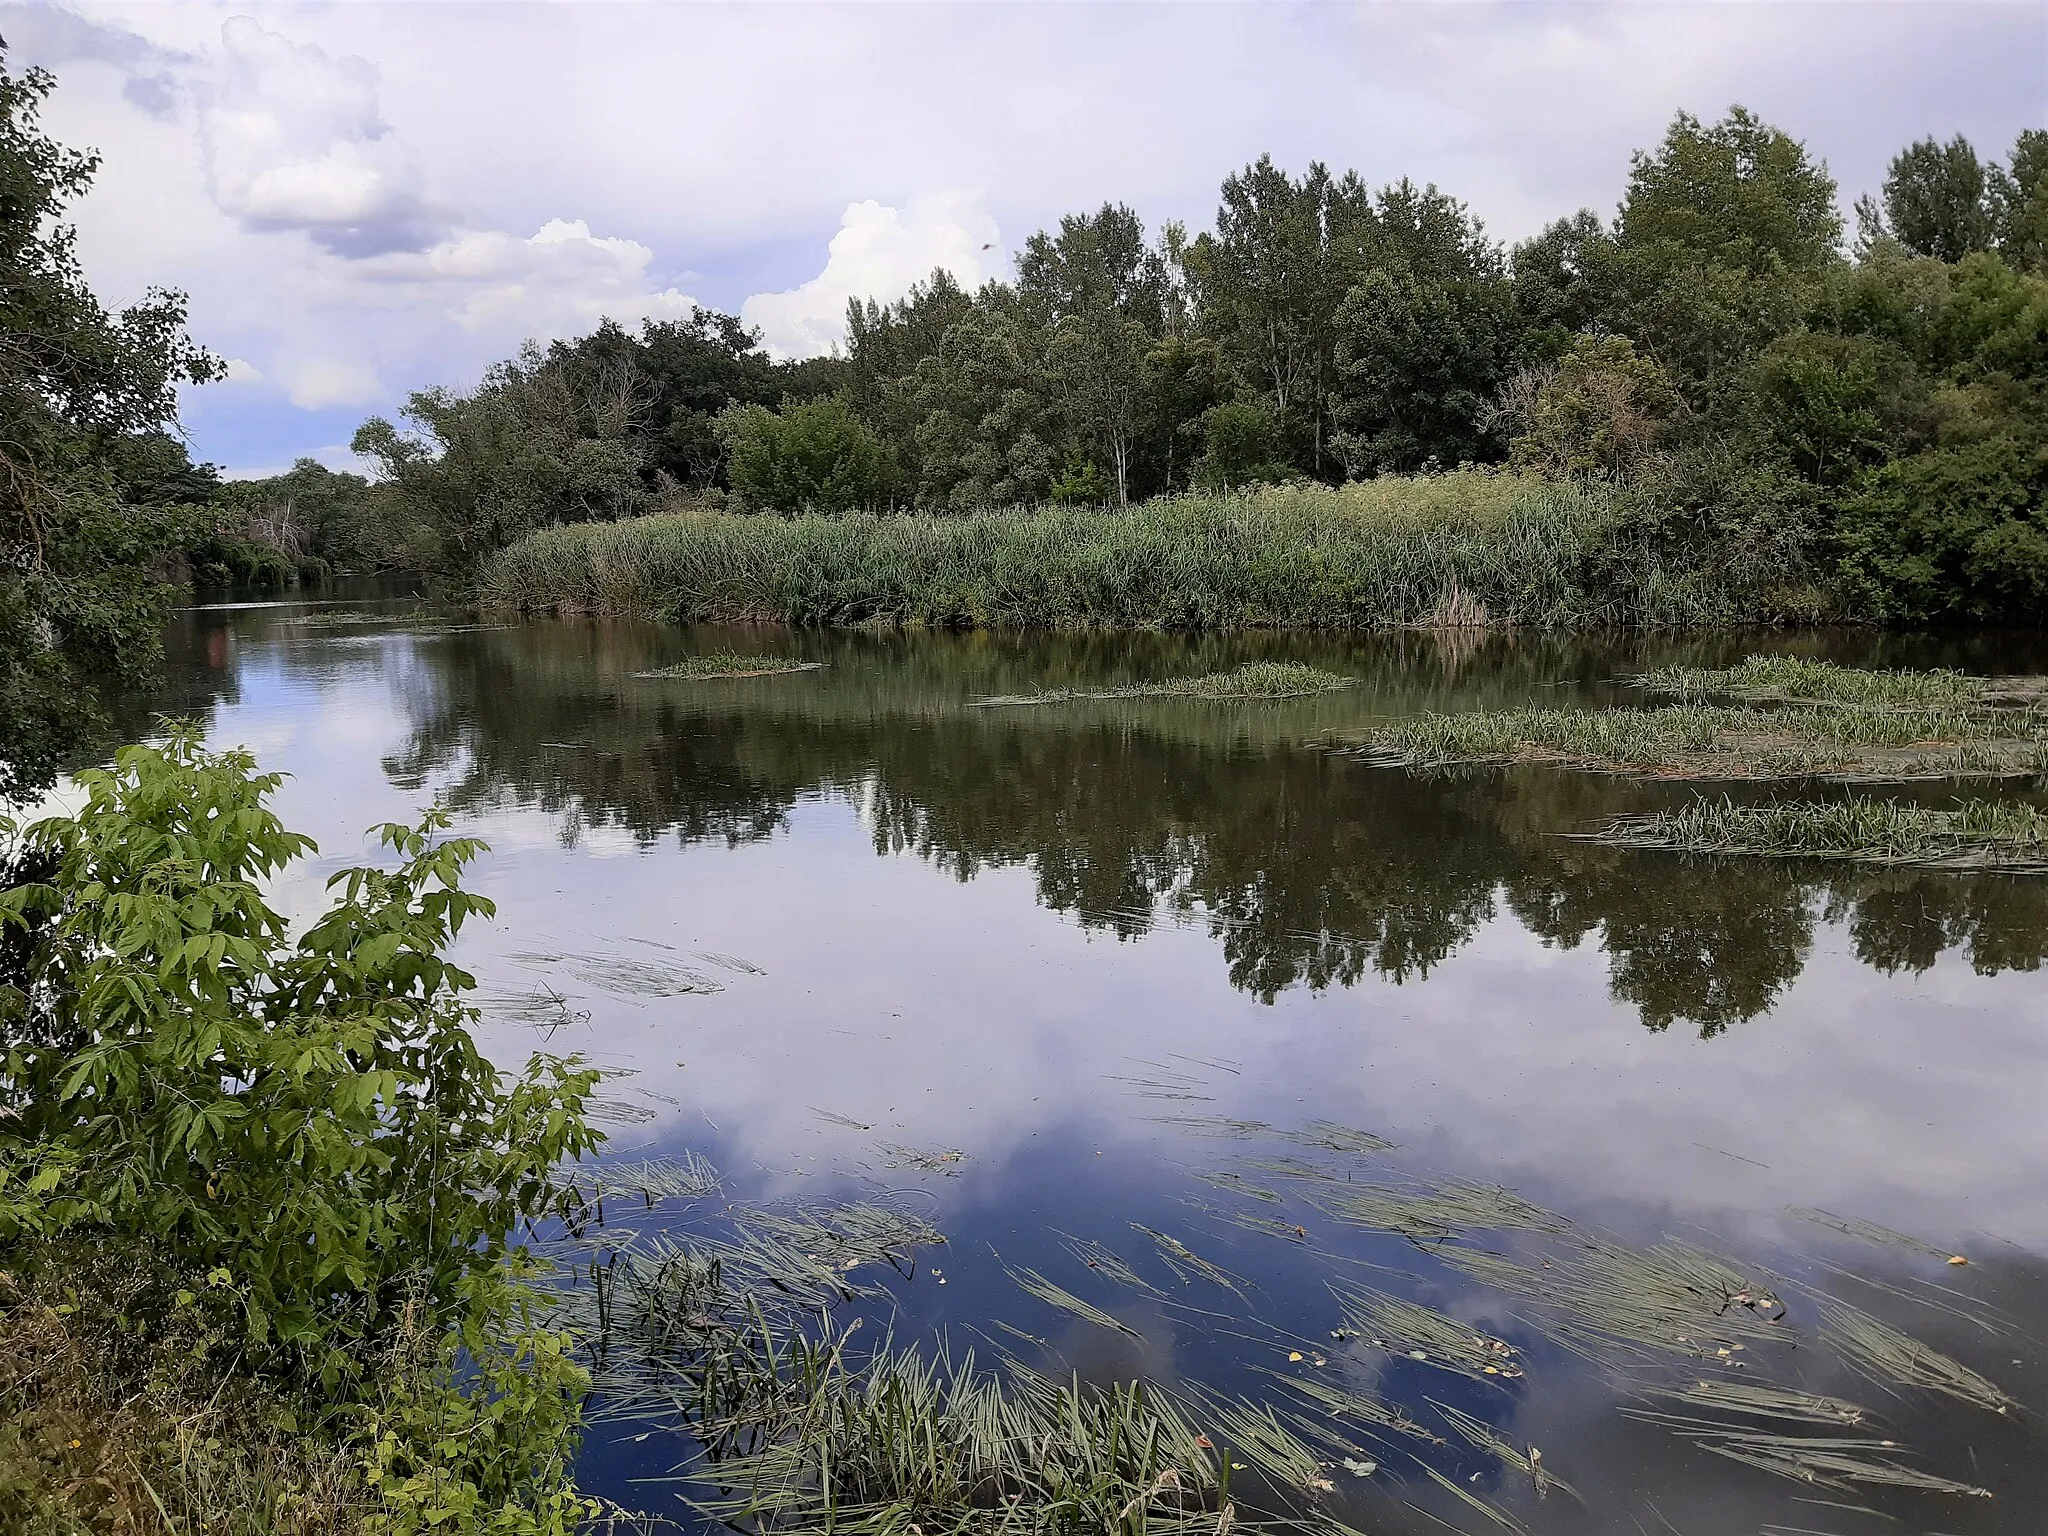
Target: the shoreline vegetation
pixel 1470 549
pixel 1253 680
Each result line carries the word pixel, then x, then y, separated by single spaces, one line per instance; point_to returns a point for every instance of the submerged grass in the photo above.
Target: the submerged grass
pixel 1727 742
pixel 1395 552
pixel 719 664
pixel 1436 1212
pixel 1974 834
pixel 1253 680
pixel 1794 679
pixel 1891 1358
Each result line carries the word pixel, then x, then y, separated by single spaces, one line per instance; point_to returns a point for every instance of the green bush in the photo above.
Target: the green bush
pixel 817 457
pixel 299 1137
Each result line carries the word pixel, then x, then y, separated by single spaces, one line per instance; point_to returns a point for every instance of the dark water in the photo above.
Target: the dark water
pixel 1048 938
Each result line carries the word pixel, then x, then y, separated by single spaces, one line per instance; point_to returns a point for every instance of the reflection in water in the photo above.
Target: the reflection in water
pixel 1308 867
pixel 966 962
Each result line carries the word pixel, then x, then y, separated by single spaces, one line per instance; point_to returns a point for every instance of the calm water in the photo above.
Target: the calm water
pixel 1051 938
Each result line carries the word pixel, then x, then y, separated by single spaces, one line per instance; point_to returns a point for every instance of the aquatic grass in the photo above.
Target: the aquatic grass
pixel 1187 1264
pixel 1108 1264
pixel 1701 741
pixel 654 1179
pixel 625 976
pixel 1417 1333
pixel 1033 1284
pixel 1354 1406
pixel 1221 1126
pixel 1529 1463
pixel 1761 1400
pixel 1332 1137
pixel 1889 1357
pixel 1253 680
pixel 1838 1463
pixel 896 1157
pixel 1435 1212
pixel 1796 679
pixel 1613 1303
pixel 1238 1184
pixel 724 664
pixel 2007 836
pixel 1386 553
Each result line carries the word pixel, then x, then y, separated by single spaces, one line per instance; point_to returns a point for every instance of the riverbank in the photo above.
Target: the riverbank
pixel 1471 549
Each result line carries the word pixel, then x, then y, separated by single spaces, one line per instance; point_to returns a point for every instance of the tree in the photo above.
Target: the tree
pixel 2020 203
pixel 546 438
pixel 1724 236
pixel 77 599
pixel 1268 283
pixel 1597 413
pixel 814 457
pixel 1937 200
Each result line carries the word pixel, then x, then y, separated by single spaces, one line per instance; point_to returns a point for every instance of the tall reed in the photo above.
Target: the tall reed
pixel 1471 545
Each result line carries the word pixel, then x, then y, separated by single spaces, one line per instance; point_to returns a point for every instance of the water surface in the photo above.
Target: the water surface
pixel 814 923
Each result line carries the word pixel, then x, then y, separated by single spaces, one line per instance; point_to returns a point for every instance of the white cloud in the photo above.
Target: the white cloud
pixel 878 253
pixel 241 371
pixel 316 383
pixel 294 139
pixel 560 281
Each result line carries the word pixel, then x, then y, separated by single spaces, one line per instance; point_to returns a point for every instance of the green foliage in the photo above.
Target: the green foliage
pixel 1960 529
pixel 818 457
pixel 543 440
pixel 1244 442
pixel 85 399
pixel 300 1133
pixel 1938 200
pixel 1383 552
pixel 312 1116
pixel 2020 194
pixel 1596 414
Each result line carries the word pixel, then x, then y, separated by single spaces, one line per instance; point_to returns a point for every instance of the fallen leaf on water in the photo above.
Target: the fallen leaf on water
pixel 1957 1259
pixel 1294 1354
pixel 1205 1442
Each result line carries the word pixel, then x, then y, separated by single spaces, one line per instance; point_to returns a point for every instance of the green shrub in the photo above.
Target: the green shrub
pixel 817 457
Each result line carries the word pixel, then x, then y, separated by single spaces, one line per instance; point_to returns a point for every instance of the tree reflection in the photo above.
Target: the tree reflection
pixel 1309 868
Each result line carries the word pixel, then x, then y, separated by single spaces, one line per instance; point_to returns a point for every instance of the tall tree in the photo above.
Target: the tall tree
pixel 2020 203
pixel 1937 200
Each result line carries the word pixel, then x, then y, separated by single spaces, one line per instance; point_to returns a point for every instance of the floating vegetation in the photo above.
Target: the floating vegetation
pixel 1106 1263
pixel 1796 680
pixel 718 664
pixel 626 977
pixel 1339 1138
pixel 1529 1463
pixel 654 1179
pixel 1353 1406
pixel 896 1157
pixel 1215 1125
pixel 1272 1443
pixel 618 1112
pixel 1420 1334
pixel 1975 834
pixel 1697 741
pixel 1238 1184
pixel 1826 1463
pixel 1891 1358
pixel 1870 1232
pixel 832 1118
pixel 1253 680
pixel 1670 1299
pixel 1251 1221
pixel 1186 1263
pixel 1472 1500
pixel 1435 1213
pixel 1032 1283
pixel 538 1007
pixel 1759 1400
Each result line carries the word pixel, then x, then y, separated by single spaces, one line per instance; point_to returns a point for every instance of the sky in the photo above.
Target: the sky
pixel 364 199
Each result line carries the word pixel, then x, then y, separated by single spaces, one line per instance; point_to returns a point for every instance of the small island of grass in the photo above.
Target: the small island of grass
pixel 1972 835
pixel 1253 680
pixel 720 664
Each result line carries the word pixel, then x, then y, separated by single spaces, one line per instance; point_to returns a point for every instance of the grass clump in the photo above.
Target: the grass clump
pixel 1512 549
pixel 1702 741
pixel 1972 835
pixel 1795 679
pixel 1253 680
pixel 717 664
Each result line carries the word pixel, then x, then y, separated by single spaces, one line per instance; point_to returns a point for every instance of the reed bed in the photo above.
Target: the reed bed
pixel 1253 680
pixel 1472 547
pixel 1796 680
pixel 1972 835
pixel 1698 741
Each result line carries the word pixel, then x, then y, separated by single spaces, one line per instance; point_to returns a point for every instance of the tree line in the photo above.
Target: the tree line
pixel 1764 383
